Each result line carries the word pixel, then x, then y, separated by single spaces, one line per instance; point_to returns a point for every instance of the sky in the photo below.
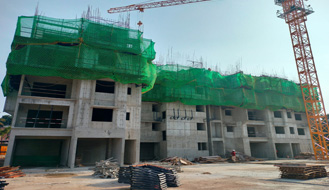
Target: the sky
pixel 225 34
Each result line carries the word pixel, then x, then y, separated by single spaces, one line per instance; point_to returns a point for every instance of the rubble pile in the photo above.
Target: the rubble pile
pixel 147 176
pixel 177 161
pixel 210 159
pixel 107 168
pixel 301 171
pixel 11 172
pixel 305 155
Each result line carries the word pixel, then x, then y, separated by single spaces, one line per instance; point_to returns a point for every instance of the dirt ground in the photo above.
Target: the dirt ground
pixel 246 176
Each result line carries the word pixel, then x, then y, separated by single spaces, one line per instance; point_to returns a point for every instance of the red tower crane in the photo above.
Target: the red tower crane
pixel 295 14
pixel 142 6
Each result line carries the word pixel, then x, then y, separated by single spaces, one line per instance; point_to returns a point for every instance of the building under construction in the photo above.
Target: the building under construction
pixel 81 91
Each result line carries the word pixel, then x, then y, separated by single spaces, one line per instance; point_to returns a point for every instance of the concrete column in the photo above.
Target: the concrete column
pixel 10 149
pixel 65 152
pixel 72 151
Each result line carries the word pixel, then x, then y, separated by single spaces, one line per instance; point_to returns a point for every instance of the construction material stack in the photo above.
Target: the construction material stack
pixel 301 171
pixel 148 176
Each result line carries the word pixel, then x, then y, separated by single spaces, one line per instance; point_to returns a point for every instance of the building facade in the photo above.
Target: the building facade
pixel 175 129
pixel 62 122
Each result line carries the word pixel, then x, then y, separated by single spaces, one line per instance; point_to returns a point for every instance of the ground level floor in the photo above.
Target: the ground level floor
pixel 258 149
pixel 57 151
pixel 254 175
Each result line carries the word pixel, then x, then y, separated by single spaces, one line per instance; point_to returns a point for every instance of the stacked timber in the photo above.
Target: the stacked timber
pixel 11 172
pixel 305 155
pixel 147 176
pixel 106 168
pixel 210 159
pixel 301 171
pixel 177 161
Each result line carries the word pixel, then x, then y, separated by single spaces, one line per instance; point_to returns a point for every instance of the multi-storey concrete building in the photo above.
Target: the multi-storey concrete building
pixel 174 129
pixel 58 121
pixel 69 122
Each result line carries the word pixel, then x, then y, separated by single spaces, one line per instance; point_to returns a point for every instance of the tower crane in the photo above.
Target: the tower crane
pixel 295 13
pixel 142 6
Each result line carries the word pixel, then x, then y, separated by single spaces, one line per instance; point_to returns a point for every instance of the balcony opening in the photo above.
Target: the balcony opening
pixel 255 115
pixel 279 130
pixel 105 86
pixel 103 115
pixel 256 131
pixel 41 89
pixel 44 119
pixel 251 131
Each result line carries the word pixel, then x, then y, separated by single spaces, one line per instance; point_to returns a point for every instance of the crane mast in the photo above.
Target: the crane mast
pixel 295 13
pixel 141 7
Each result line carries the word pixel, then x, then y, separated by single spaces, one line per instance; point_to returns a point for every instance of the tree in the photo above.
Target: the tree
pixel 5 120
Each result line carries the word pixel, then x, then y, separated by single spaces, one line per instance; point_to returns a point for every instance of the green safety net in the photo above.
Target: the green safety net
pixel 80 49
pixel 83 49
pixel 195 86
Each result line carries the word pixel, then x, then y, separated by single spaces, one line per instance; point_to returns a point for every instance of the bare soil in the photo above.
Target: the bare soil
pixel 245 176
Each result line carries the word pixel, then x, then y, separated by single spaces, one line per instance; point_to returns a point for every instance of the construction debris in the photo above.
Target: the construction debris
pixel 305 155
pixel 177 161
pixel 241 157
pixel 210 159
pixel 107 168
pixel 146 176
pixel 11 172
pixel 301 171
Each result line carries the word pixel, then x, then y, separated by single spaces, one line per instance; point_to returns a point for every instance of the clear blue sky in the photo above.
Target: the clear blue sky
pixel 222 32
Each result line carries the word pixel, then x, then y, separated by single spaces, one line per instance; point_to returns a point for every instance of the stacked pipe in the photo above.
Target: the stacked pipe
pixel 147 176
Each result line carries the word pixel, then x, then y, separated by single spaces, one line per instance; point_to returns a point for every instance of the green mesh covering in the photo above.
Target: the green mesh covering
pixel 193 86
pixel 81 49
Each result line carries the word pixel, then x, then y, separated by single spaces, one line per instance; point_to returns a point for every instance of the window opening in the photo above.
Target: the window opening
pixel 104 115
pixel 105 86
